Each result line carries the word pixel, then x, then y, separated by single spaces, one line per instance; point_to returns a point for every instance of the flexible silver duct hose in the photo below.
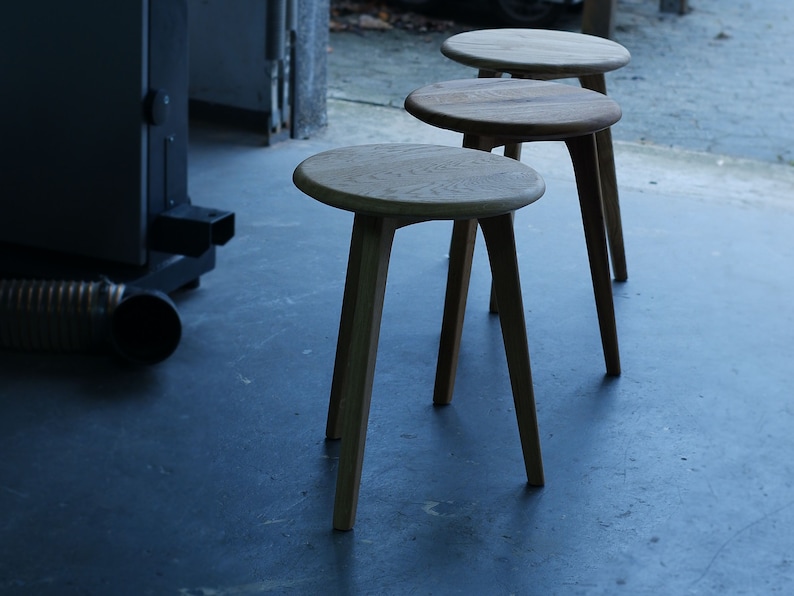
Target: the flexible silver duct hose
pixel 141 326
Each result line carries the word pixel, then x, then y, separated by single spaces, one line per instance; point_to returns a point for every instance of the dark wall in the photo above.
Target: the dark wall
pixel 236 55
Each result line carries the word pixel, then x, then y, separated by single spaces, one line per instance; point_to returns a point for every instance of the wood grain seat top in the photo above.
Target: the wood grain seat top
pixel 515 110
pixel 419 182
pixel 536 53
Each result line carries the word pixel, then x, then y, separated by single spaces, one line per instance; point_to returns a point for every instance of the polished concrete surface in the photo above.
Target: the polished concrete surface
pixel 208 474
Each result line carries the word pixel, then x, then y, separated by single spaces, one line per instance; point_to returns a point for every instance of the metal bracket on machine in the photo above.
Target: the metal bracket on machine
pixel 190 230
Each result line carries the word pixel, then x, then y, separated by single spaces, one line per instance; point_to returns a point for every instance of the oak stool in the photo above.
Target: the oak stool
pixel 389 186
pixel 549 55
pixel 495 112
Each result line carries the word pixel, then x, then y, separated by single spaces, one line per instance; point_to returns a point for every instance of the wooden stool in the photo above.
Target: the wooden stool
pixel 394 185
pixel 548 55
pixel 495 112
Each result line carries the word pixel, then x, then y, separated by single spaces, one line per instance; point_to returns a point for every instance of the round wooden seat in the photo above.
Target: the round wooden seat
pixel 513 110
pixel 390 186
pixel 418 182
pixel 536 53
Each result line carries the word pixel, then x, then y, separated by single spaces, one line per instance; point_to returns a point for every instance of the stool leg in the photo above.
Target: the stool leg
pixel 461 251
pixel 370 248
pixel 333 426
pixel 499 238
pixel 585 166
pixel 513 151
pixel 485 73
pixel 609 186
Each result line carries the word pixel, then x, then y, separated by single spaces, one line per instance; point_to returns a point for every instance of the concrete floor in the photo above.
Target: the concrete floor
pixel 209 473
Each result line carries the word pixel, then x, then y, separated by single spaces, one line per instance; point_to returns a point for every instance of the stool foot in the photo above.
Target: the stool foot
pixel 585 165
pixel 609 186
pixel 365 287
pixel 498 233
pixel 461 251
pixel 493 305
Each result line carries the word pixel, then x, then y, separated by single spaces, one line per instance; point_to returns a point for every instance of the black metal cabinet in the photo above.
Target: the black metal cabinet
pixel 93 144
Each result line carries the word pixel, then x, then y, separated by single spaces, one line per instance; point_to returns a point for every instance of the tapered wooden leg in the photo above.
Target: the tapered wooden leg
pixel 493 304
pixel 464 233
pixel 513 151
pixel 364 292
pixel 461 250
pixel 333 427
pixel 598 17
pixel 609 187
pixel 499 239
pixel 484 73
pixel 585 166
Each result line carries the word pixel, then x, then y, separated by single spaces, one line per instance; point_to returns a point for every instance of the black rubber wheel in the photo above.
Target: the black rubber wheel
pixel 528 13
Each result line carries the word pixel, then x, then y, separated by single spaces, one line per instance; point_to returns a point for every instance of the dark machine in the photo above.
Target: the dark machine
pixel 93 150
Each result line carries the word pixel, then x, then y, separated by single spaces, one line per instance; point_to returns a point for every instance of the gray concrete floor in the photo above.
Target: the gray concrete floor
pixel 209 473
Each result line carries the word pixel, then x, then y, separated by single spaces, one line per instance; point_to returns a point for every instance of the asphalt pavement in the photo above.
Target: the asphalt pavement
pixel 717 80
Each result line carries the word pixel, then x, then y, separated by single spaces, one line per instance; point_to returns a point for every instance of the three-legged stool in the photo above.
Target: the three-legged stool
pixel 548 55
pixel 495 112
pixel 394 185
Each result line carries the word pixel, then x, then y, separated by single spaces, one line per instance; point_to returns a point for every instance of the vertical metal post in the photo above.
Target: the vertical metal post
pixel 275 54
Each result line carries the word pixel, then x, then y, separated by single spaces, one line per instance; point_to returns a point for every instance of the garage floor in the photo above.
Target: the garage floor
pixel 209 474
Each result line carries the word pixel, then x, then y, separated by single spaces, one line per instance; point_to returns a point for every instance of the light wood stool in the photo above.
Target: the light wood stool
pixel 496 112
pixel 548 55
pixel 394 185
